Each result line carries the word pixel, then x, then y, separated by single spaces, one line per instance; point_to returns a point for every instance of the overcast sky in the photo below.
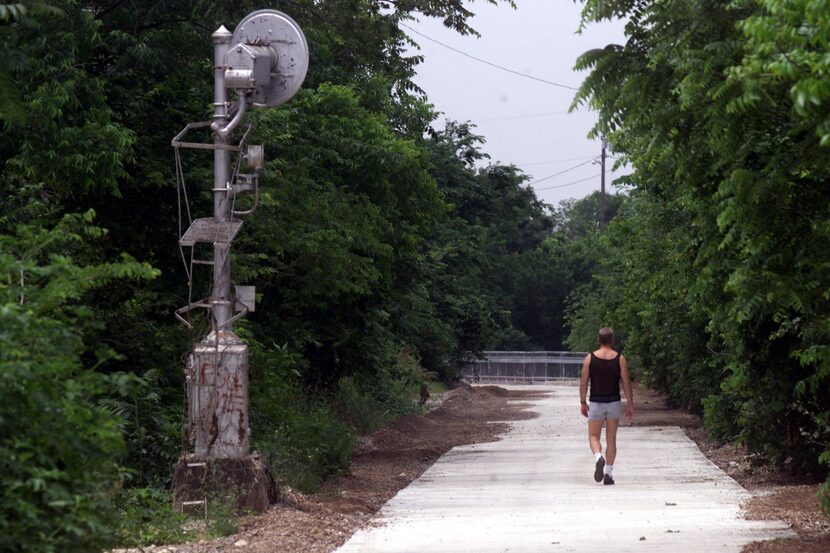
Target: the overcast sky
pixel 524 121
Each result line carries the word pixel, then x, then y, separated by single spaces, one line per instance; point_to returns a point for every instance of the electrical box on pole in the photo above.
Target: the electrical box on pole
pixel 261 64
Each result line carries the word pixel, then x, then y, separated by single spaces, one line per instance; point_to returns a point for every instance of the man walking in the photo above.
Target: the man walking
pixel 604 368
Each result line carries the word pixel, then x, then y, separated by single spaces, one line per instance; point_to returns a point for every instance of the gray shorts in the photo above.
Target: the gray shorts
pixel 602 411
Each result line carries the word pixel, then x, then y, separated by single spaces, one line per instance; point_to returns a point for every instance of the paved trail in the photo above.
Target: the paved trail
pixel 534 491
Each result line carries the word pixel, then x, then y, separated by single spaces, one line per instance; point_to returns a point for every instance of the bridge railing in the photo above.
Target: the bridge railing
pixel 524 366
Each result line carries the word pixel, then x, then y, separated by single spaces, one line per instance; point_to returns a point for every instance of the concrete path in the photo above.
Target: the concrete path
pixel 534 491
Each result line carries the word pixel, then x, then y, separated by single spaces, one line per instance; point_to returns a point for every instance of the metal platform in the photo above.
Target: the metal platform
pixel 210 231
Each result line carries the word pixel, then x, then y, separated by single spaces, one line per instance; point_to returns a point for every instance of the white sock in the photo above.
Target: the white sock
pixel 597 456
pixel 609 470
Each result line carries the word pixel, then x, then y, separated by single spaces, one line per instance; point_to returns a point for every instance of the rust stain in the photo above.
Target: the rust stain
pixel 214 431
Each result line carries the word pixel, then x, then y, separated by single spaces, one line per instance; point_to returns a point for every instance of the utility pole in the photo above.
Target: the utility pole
pixel 264 62
pixel 601 214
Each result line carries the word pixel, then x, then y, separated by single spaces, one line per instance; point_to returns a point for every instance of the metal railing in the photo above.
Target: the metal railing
pixel 524 366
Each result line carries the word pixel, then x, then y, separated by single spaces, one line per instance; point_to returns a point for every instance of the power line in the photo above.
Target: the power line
pixel 555 161
pixel 524 116
pixel 537 181
pixel 487 62
pixel 566 184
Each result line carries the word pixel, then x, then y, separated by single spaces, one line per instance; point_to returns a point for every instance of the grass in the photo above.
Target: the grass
pixel 437 387
pixel 146 516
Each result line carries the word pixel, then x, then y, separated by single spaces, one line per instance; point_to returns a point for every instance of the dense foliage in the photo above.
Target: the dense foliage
pixel 717 268
pixel 381 254
pixel 58 445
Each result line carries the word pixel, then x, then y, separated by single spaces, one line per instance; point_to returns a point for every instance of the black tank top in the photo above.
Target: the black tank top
pixel 605 379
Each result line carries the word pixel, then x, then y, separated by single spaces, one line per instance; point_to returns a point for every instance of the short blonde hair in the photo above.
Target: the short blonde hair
pixel 606 336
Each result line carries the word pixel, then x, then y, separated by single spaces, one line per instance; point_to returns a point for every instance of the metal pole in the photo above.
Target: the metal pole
pixel 218 368
pixel 602 187
pixel 221 300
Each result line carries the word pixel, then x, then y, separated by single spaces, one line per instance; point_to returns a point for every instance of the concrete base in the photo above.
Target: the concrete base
pixel 200 483
pixel 534 491
pixel 217 397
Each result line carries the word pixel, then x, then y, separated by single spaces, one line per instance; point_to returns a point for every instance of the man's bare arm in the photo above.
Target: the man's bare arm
pixel 629 393
pixel 583 385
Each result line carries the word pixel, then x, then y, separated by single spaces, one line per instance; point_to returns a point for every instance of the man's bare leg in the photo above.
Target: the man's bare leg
pixel 594 434
pixel 610 450
pixel 611 441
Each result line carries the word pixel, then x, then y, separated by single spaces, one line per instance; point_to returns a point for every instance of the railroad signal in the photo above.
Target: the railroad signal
pixel 264 62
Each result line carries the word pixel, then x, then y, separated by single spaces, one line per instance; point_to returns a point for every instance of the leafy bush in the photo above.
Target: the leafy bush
pixel 302 439
pixel 305 443
pixel 362 410
pixel 152 427
pixel 824 496
pixel 56 479
pixel 369 402
pixel 720 417
pixel 145 516
pixel 59 447
pixel 307 435
pixel 222 518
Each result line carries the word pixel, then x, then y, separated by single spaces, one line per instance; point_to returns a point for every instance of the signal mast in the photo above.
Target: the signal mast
pixel 263 63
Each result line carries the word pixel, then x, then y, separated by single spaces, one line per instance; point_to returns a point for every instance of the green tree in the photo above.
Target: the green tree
pixel 59 447
pixel 718 108
pixel 368 273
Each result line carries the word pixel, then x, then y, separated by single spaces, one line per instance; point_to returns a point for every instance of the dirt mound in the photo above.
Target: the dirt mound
pixel 461 419
pixel 402 434
pixel 651 410
pixel 492 391
pixel 412 423
pixel 462 393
